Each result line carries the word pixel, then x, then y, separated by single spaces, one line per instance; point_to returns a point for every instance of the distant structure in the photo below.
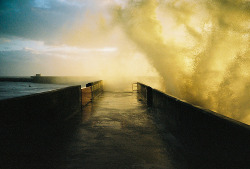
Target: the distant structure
pixel 38 78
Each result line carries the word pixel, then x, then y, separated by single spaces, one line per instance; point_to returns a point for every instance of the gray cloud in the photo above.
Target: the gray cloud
pixel 18 62
pixel 44 20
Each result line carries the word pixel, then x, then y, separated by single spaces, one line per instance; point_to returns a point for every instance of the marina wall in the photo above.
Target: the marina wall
pixel 92 90
pixel 213 135
pixel 47 107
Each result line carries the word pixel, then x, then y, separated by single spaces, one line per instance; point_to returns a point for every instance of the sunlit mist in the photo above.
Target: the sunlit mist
pixel 196 50
pixel 200 48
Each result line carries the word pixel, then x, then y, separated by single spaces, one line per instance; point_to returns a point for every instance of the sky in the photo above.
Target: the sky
pixel 63 37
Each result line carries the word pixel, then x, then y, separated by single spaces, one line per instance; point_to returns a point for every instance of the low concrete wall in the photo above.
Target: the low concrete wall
pixel 48 107
pixel 146 93
pixel 86 95
pixel 97 88
pixel 92 90
pixel 212 135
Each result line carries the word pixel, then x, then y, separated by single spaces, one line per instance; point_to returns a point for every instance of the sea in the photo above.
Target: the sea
pixel 16 89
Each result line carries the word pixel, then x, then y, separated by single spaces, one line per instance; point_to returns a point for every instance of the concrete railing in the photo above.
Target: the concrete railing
pixel 92 90
pixel 86 95
pixel 47 107
pixel 211 133
pixel 146 93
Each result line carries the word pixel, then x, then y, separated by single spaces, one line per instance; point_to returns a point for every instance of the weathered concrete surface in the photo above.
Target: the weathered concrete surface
pixel 86 95
pixel 46 107
pixel 92 90
pixel 207 136
pixel 117 131
pixel 32 128
pixel 114 131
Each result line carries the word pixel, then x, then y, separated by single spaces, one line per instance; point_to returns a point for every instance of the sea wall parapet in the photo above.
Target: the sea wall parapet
pixel 47 107
pixel 214 135
pixel 92 90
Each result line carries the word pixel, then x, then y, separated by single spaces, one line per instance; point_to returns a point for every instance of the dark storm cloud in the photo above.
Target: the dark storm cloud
pixel 37 19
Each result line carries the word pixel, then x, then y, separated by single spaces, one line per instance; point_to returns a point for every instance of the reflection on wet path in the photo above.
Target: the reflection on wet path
pixel 115 131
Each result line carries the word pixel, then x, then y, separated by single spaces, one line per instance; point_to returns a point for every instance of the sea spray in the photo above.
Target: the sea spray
pixel 202 53
pixel 199 48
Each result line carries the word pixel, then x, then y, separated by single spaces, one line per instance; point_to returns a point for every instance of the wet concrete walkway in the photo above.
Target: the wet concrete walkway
pixel 117 131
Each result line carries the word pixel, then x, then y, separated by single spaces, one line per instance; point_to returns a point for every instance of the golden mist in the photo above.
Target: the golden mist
pixel 200 49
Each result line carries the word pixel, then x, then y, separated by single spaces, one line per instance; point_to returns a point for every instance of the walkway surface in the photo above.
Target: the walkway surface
pixel 116 131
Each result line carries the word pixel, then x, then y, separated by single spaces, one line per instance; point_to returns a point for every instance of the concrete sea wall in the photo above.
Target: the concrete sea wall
pixel 33 124
pixel 86 95
pixel 211 135
pixel 30 121
pixel 92 90
pixel 47 107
